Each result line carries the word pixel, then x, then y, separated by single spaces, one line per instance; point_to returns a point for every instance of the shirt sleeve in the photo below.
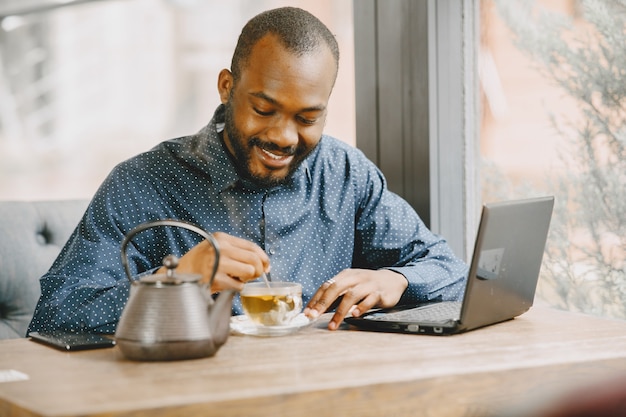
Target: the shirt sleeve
pixel 392 235
pixel 86 288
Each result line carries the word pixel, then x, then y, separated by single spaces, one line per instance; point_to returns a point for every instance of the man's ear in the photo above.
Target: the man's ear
pixel 224 85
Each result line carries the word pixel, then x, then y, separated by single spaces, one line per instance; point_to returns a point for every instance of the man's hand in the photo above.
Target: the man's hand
pixel 360 290
pixel 240 261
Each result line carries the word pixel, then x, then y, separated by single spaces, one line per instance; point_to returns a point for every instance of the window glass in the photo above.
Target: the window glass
pixel 86 86
pixel 554 122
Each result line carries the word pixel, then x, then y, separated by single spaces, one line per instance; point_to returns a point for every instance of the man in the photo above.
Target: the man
pixel 275 192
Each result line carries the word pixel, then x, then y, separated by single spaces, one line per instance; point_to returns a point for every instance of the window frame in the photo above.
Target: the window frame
pixel 417 109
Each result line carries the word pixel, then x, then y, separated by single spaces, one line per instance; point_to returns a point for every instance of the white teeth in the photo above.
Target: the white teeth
pixel 271 155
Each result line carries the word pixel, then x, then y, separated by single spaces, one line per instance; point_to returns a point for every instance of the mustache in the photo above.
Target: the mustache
pixel 272 147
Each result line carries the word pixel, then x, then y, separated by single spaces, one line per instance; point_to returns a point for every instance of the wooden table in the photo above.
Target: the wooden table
pixel 323 373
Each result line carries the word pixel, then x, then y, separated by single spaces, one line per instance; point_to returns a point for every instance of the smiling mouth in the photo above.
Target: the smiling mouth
pixel 273 160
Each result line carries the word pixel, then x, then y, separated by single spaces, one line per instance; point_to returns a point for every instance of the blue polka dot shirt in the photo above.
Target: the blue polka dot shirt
pixel 335 213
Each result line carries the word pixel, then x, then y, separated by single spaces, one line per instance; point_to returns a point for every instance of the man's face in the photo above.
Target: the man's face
pixel 275 113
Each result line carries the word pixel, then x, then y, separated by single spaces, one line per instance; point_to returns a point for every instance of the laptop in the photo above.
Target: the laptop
pixel 502 277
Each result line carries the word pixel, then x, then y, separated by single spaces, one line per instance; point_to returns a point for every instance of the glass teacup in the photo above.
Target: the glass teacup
pixel 276 305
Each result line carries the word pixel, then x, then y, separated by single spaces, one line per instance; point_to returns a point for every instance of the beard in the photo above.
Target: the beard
pixel 243 149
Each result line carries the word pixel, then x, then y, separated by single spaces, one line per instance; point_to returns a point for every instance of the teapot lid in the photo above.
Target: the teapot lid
pixel 170 277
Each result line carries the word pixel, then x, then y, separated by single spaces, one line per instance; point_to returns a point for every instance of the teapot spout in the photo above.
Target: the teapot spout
pixel 219 317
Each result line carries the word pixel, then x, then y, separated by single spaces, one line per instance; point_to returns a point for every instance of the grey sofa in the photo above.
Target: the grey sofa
pixel 31 236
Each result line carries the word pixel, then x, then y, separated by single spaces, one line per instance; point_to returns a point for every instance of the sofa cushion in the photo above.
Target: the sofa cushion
pixel 31 237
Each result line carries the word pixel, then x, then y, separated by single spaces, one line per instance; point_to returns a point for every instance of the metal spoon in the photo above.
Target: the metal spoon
pixel 265 279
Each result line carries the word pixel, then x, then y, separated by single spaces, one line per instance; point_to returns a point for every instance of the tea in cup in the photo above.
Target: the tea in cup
pixel 275 305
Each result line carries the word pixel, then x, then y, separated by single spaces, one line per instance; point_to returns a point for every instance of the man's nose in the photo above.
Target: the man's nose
pixel 283 132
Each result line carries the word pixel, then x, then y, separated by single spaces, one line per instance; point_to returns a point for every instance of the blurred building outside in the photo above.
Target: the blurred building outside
pixel 86 86
pixel 554 123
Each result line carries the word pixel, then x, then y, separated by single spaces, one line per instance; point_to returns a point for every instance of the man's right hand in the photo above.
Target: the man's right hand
pixel 240 261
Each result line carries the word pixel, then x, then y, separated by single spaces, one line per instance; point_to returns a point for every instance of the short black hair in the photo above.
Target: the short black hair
pixel 298 31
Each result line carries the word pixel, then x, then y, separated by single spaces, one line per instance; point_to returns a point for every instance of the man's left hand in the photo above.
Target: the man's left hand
pixel 356 291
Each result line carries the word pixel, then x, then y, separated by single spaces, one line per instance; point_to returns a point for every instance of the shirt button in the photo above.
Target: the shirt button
pixel 272 251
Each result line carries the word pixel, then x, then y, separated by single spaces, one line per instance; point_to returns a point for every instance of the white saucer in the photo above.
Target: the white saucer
pixel 244 326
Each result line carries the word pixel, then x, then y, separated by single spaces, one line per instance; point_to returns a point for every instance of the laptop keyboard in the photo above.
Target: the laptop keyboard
pixel 438 312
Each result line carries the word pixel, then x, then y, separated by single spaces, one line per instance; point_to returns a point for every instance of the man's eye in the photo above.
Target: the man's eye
pixel 306 121
pixel 263 113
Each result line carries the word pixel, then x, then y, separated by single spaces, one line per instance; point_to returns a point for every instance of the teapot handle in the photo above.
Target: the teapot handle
pixel 176 223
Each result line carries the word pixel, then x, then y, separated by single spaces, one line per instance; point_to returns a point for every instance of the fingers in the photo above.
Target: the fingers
pixel 240 261
pixel 241 258
pixel 323 298
pixel 355 291
pixel 224 281
pixel 354 301
pixel 341 293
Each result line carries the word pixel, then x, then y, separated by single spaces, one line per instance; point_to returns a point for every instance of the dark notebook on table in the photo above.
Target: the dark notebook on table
pixel 502 277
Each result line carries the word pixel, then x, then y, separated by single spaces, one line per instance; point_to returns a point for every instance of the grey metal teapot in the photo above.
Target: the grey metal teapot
pixel 172 316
